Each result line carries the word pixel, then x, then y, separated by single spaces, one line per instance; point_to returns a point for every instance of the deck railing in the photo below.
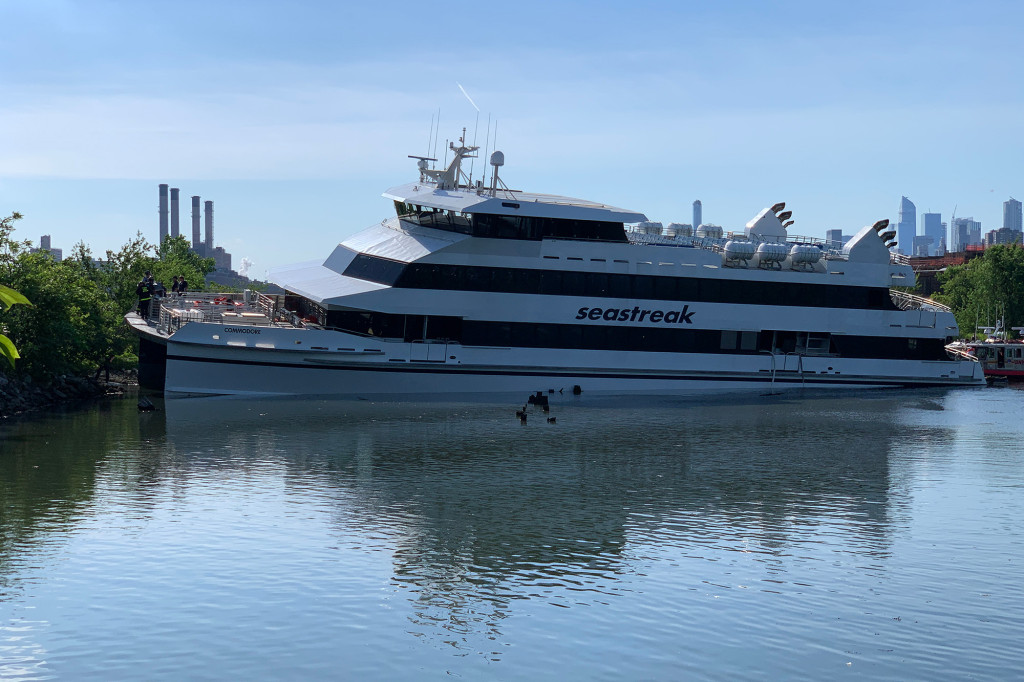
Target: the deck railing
pixel 907 301
pixel 718 244
pixel 250 308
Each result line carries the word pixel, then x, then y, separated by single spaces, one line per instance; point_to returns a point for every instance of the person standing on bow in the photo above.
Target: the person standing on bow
pixel 144 290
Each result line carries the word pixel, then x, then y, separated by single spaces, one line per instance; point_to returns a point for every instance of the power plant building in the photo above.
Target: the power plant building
pixel 196 239
pixel 163 214
pixel 174 211
pixel 202 244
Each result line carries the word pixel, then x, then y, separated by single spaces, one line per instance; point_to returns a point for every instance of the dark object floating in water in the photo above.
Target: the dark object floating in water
pixel 551 420
pixel 538 399
pixel 577 389
pixel 146 405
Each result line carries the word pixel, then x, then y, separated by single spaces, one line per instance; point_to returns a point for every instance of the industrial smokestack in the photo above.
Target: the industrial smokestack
pixel 209 227
pixel 174 211
pixel 195 225
pixel 163 213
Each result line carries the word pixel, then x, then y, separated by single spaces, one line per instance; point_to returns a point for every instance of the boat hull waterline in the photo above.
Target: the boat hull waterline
pixel 387 369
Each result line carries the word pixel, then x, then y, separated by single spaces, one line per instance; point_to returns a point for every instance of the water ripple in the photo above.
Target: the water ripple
pixel 875 535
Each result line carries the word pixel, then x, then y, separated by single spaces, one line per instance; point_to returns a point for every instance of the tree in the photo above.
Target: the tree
pixel 123 269
pixel 66 330
pixel 73 324
pixel 987 289
pixel 8 296
pixel 175 257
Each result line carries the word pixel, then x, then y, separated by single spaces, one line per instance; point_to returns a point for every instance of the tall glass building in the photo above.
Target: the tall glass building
pixel 963 233
pixel 906 228
pixel 934 231
pixel 1012 214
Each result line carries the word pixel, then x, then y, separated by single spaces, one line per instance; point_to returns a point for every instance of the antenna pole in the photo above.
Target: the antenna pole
pixel 430 137
pixel 437 134
pixel 487 141
pixel 476 127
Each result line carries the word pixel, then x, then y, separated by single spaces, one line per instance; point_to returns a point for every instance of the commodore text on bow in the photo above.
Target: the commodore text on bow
pixel 636 315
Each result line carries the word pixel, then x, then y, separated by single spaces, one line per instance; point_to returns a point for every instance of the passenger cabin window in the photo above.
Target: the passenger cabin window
pixel 511 226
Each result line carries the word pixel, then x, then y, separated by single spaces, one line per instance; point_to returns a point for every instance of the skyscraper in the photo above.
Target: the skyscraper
pixel 932 227
pixel 975 234
pixel 965 232
pixel 906 229
pixel 1012 214
pixel 834 239
pixel 697 217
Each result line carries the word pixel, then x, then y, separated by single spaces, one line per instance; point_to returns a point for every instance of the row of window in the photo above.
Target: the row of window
pixel 616 337
pixel 511 226
pixel 613 285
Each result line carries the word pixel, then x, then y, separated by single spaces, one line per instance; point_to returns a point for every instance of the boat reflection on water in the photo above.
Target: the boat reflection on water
pixel 478 510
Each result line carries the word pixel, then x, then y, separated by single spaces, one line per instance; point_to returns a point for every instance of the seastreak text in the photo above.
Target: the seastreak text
pixel 636 315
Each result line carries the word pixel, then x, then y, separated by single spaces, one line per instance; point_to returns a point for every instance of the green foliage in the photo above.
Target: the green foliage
pixel 76 324
pixel 65 332
pixel 123 269
pixel 174 257
pixel 988 288
pixel 8 296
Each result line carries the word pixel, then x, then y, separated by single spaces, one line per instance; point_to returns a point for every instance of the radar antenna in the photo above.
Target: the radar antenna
pixel 448 179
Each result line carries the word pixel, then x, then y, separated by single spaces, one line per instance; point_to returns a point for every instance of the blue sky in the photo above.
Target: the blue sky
pixel 294 117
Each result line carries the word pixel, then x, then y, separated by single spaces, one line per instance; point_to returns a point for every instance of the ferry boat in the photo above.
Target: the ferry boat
pixel 999 356
pixel 474 288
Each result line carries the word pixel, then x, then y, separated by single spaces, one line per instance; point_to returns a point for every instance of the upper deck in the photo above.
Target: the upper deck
pixel 509 202
pixel 451 190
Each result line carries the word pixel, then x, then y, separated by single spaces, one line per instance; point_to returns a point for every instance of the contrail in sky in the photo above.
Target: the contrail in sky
pixel 467 95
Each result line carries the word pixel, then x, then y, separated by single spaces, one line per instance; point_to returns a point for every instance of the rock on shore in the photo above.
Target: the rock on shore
pixel 24 395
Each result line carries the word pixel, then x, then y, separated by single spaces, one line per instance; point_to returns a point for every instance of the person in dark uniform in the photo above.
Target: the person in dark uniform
pixel 144 290
pixel 174 287
pixel 182 285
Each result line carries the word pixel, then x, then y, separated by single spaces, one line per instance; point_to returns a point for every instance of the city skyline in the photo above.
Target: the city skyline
pixel 298 121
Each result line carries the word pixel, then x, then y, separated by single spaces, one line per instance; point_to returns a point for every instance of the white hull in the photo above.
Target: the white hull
pixel 345 365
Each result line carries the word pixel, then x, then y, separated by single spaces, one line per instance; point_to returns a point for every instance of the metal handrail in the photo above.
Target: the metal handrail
pixel 173 312
pixel 907 301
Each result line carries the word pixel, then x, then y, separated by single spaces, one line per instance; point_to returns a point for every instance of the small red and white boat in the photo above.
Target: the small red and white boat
pixel 998 355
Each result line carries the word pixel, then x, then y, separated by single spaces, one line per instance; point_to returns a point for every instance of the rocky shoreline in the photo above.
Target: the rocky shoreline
pixel 21 395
